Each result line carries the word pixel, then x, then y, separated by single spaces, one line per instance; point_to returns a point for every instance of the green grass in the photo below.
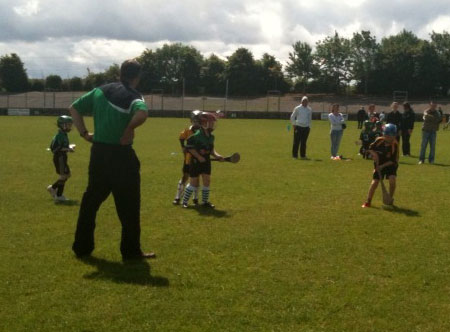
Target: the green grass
pixel 287 249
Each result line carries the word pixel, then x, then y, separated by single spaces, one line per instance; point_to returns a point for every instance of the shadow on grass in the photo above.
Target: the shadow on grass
pixel 68 203
pixel 399 210
pixel 441 165
pixel 204 211
pixel 132 272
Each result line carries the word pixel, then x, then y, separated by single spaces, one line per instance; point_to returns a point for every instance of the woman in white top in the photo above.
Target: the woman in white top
pixel 337 129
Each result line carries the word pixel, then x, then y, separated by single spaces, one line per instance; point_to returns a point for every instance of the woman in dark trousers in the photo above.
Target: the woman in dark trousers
pixel 408 118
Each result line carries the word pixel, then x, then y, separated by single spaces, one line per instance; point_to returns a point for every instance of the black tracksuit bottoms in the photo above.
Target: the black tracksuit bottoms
pixel 300 138
pixel 112 169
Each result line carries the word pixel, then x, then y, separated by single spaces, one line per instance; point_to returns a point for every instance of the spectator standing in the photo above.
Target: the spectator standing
pixel 301 118
pixel 395 117
pixel 407 126
pixel 337 129
pixel 373 116
pixel 431 120
pixel 117 109
pixel 361 116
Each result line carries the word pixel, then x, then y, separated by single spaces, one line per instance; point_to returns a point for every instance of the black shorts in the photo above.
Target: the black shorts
pixel 196 168
pixel 385 172
pixel 60 162
pixel 185 168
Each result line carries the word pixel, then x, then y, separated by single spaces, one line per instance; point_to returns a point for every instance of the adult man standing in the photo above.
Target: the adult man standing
pixel 301 120
pixel 361 117
pixel 395 117
pixel 118 109
pixel 431 120
pixel 408 119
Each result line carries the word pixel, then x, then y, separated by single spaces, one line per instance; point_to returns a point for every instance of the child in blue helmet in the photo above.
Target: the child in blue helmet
pixel 385 155
pixel 60 146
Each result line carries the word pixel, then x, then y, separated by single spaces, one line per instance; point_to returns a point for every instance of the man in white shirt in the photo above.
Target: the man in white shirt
pixel 301 120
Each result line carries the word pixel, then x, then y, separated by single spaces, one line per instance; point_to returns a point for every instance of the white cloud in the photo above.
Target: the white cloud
pixel 63 36
pixel 440 24
pixel 27 9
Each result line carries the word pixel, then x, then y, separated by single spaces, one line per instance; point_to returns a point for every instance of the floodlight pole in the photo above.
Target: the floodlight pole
pixel 182 97
pixel 226 96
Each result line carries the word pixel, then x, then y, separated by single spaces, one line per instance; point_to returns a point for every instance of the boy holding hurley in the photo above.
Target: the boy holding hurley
pixel 201 147
pixel 385 155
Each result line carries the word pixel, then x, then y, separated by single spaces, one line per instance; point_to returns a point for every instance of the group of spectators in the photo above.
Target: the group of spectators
pixel 301 118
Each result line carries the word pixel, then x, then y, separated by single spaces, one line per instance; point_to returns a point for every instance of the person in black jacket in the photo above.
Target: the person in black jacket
pixel 408 118
pixel 395 117
pixel 361 117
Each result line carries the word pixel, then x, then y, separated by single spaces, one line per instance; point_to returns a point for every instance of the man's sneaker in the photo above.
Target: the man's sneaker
pixel 195 200
pixel 61 198
pixel 365 205
pixel 176 201
pixel 51 191
pixel 185 205
pixel 208 205
pixel 420 162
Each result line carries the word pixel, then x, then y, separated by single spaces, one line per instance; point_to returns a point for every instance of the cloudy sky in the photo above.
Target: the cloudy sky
pixel 66 37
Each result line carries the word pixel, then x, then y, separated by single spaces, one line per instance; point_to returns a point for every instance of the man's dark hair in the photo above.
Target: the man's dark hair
pixel 129 70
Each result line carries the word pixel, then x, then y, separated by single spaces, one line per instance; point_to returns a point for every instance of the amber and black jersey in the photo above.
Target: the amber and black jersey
pixel 385 152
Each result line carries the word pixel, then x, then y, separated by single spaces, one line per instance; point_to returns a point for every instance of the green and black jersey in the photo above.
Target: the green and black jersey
pixel 200 142
pixel 112 106
pixel 59 141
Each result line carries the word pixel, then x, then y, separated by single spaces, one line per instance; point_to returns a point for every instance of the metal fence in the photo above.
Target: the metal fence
pixel 161 102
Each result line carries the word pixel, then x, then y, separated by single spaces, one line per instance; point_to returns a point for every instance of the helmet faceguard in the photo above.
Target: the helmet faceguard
pixel 65 122
pixel 208 121
pixel 195 117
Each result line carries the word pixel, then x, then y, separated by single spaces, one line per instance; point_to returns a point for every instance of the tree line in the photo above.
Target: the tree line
pixel 336 64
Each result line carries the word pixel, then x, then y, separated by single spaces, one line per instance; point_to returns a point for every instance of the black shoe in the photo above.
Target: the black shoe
pixel 195 200
pixel 208 205
pixel 185 205
pixel 176 201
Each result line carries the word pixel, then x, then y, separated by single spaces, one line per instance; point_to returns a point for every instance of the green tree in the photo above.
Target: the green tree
pixel 406 62
pixel 75 84
pixel 301 66
pixel 333 57
pixel 241 72
pixel 441 44
pixel 364 49
pixel 112 74
pixel 36 85
pixel 94 80
pixel 13 75
pixel 150 77
pixel 271 76
pixel 53 82
pixel 213 75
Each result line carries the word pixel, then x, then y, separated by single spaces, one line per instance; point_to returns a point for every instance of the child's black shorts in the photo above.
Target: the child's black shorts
pixel 186 168
pixel 385 172
pixel 196 168
pixel 60 162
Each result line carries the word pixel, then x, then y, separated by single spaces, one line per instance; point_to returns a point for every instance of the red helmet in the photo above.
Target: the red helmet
pixel 208 120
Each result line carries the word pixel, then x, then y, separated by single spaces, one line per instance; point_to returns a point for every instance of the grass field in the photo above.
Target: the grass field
pixel 288 247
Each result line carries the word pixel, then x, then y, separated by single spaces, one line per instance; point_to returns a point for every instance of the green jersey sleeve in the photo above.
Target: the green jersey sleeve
pixel 138 105
pixel 84 104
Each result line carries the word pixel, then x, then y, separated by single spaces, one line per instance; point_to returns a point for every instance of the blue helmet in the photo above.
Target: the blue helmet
pixel 390 130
